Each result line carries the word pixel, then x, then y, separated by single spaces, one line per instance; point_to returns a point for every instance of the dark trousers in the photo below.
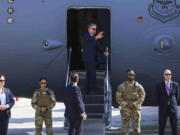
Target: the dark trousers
pixel 75 127
pixel 163 119
pixel 3 123
pixel 90 77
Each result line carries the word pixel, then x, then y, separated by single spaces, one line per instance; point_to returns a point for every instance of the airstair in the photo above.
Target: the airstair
pixel 97 106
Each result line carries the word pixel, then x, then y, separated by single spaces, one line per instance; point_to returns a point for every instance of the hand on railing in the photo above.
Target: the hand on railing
pixel 106 53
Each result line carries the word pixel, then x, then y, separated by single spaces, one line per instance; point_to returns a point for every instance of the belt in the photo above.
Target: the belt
pixel 129 101
pixel 1 112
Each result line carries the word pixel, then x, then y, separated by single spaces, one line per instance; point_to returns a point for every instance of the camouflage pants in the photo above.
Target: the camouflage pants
pixel 39 122
pixel 127 115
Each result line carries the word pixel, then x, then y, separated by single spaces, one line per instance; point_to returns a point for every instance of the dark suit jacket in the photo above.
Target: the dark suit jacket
pixel 9 100
pixel 162 97
pixel 90 47
pixel 73 102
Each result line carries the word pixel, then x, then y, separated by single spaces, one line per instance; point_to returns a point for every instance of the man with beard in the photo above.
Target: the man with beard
pixel 130 96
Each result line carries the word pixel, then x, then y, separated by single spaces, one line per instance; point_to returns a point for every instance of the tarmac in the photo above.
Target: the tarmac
pixel 22 120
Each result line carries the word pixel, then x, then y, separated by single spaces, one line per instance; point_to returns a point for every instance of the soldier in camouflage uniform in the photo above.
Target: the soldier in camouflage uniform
pixel 43 101
pixel 130 96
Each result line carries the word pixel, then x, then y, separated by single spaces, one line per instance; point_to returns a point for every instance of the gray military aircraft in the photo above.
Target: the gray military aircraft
pixel 35 36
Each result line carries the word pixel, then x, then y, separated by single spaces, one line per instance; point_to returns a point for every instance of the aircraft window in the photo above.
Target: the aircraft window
pixel 140 19
pixel 10 10
pixel 11 1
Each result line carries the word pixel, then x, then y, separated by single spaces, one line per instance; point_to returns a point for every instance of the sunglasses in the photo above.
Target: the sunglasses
pixel 131 75
pixel 93 29
pixel 43 83
pixel 2 80
pixel 167 74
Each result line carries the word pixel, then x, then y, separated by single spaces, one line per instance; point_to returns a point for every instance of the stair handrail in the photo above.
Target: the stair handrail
pixel 68 67
pixel 107 70
pixel 66 126
pixel 108 98
pixel 106 79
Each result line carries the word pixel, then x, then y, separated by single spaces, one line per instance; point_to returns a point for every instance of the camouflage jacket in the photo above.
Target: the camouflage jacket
pixel 51 104
pixel 121 91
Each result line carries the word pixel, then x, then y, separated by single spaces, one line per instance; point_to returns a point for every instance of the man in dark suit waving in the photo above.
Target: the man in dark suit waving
pixel 6 103
pixel 167 96
pixel 75 110
pixel 89 52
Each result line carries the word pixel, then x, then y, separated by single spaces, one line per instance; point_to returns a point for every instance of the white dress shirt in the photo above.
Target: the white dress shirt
pixel 3 97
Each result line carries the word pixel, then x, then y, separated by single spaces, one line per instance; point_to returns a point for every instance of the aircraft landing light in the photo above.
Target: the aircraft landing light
pixel 10 10
pixel 11 1
pixel 10 20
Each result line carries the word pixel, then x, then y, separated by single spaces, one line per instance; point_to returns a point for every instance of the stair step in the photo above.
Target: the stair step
pixel 97 77
pixel 95 115
pixel 99 87
pixel 93 99
pixel 93 133
pixel 97 93
pixel 97 72
pixel 94 108
pixel 94 126
pixel 98 133
pixel 99 82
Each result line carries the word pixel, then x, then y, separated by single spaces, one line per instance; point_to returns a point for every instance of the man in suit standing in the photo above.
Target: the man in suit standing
pixel 75 110
pixel 6 103
pixel 89 52
pixel 167 96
